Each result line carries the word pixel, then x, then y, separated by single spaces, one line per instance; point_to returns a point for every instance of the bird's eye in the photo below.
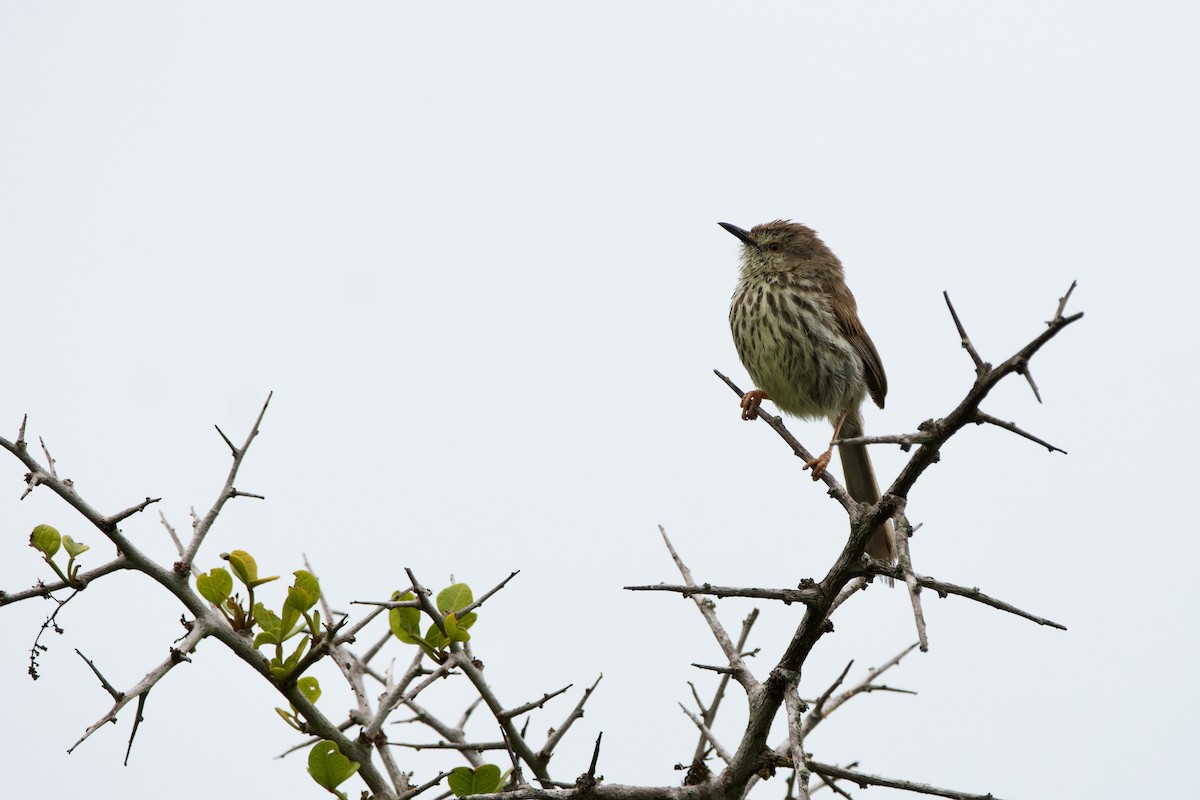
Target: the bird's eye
pixel 773 247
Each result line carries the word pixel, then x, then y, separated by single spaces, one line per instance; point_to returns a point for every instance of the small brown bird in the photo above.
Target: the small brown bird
pixel 796 328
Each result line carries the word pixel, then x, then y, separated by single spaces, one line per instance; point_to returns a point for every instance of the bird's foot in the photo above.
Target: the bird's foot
pixel 751 400
pixel 818 464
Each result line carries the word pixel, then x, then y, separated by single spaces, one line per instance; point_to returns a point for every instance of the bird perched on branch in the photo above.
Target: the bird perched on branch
pixel 796 328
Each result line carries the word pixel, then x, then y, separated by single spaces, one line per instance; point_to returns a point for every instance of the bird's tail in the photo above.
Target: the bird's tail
pixel 862 486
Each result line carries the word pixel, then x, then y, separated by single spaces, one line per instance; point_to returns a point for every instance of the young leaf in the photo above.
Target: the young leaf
pixel 45 539
pixel 264 637
pixel 243 565
pixel 304 592
pixel 73 547
pixel 454 631
pixel 405 622
pixel 309 687
pixel 435 638
pixel 328 767
pixel 465 781
pixel 268 621
pixel 288 620
pixel 246 569
pixel 454 597
pixel 215 585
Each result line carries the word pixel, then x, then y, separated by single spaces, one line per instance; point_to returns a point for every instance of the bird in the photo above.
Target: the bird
pixel 796 329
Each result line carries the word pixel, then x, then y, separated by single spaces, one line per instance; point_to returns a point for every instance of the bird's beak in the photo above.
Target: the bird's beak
pixel 741 234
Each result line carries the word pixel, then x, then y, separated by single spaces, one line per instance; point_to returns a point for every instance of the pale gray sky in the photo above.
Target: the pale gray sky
pixel 473 250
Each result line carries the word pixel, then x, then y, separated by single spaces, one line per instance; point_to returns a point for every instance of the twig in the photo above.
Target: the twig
pixel 411 793
pixel 707 734
pixel 818 708
pixel 836 490
pixel 557 734
pixel 864 780
pixel 137 721
pixel 981 418
pixel 788 596
pixel 521 709
pixel 488 594
pixel 791 701
pixel 200 526
pixel 477 746
pixel 115 693
pixel 904 558
pixel 178 654
pixel 943 589
pixel 426 605
pixel 741 673
pixel 82 580
pixel 980 366
pixel 709 715
pixel 825 706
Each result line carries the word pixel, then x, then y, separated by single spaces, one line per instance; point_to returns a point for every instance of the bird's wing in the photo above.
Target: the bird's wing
pixel 846 311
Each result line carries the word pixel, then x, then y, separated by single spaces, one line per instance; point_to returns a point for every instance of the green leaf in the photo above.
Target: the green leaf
pixel 304 592
pixel 467 621
pixel 287 623
pixel 454 632
pixel 246 569
pixel 215 585
pixel 309 687
pixel 405 622
pixel 268 621
pixel 243 565
pixel 327 766
pixel 465 781
pixel 435 638
pixel 454 597
pixel 73 547
pixel 45 539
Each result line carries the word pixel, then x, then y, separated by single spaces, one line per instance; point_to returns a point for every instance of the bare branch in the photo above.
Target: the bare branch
pixel 943 589
pixel 137 723
pixel 741 672
pixel 488 594
pixel 477 746
pixel 980 366
pixel 520 748
pixel 824 706
pixel 115 693
pixel 709 715
pixel 850 589
pixel 81 582
pixel 49 459
pixel 791 701
pixel 864 780
pixel 576 713
pixel 178 654
pixel 788 596
pixel 836 490
pixel 519 710
pixel 112 521
pixel 707 734
pixel 904 558
pixel 424 787
pixel 425 604
pixel 981 418
pixel 818 708
pixel 228 492
pixel 1062 304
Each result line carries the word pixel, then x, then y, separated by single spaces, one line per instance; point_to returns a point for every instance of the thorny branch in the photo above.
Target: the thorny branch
pixel 751 758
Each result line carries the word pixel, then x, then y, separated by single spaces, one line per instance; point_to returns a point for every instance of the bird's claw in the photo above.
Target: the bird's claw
pixel 751 400
pixel 818 464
